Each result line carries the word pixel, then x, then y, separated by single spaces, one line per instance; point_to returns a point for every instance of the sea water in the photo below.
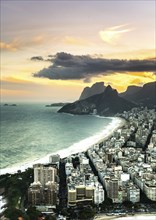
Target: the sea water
pixel 31 132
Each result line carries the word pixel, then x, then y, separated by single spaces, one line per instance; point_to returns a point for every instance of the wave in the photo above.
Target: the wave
pixel 80 146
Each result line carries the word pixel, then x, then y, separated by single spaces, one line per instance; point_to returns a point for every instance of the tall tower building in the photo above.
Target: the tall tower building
pixel 44 190
pixel 113 189
pixel 44 174
pixel 72 196
pixel 50 194
pixel 35 194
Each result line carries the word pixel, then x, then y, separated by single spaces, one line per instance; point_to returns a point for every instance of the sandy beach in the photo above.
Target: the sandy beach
pixel 127 217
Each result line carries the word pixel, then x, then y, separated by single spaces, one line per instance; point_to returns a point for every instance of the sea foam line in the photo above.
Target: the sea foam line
pixel 80 146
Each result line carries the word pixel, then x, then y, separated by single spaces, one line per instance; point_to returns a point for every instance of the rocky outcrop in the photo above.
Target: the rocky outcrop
pixel 145 96
pixel 95 89
pixel 130 91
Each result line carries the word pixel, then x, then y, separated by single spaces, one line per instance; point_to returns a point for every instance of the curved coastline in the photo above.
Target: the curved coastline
pixel 80 146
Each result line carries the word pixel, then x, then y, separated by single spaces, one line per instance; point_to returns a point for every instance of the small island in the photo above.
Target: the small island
pixel 56 104
pixel 6 104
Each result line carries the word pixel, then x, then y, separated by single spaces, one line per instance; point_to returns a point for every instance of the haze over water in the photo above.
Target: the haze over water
pixel 32 131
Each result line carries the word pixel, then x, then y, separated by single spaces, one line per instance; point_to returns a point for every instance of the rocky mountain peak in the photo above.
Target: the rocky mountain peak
pixel 109 91
pixel 95 89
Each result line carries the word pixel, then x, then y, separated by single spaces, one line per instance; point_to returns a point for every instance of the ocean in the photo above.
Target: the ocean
pixel 31 132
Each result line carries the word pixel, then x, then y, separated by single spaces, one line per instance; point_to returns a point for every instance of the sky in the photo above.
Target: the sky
pixel 51 50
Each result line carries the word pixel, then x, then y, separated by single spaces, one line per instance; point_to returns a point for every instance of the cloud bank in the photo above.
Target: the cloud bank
pixel 66 66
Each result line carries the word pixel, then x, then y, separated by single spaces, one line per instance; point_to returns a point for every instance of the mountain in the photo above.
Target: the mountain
pixel 96 88
pixel 130 91
pixel 146 96
pixel 106 103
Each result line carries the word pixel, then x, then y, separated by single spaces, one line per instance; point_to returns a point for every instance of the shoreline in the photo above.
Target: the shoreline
pixel 76 148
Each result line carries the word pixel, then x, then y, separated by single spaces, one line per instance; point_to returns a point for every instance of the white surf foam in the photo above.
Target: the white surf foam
pixel 80 146
pixel 2 204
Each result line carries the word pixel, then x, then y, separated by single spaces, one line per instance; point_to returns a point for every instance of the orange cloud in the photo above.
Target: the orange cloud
pixel 131 54
pixel 75 41
pixel 143 75
pixel 15 80
pixel 136 81
pixel 19 43
pixel 13 46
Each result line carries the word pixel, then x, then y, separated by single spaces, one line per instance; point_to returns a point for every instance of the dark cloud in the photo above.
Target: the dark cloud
pixel 37 58
pixel 50 58
pixel 67 66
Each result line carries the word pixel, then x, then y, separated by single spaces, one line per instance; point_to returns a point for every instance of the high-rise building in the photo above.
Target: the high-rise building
pixel 44 190
pixel 44 173
pixel 110 157
pixel 89 194
pixel 99 195
pixel 55 158
pixel 113 189
pixel 150 189
pixel 72 197
pixel 80 191
pixel 50 194
pixel 35 194
pixel 133 193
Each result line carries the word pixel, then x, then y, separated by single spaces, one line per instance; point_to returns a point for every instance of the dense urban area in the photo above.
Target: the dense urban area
pixel 116 176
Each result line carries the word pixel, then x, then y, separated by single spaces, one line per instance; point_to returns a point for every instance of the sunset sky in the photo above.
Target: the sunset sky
pixel 51 50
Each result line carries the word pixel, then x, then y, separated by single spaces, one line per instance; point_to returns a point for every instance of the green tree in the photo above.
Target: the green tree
pixel 14 214
pixel 107 204
pixel 16 186
pixel 64 212
pixel 33 213
pixel 87 213
pixel 50 217
pixel 128 204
